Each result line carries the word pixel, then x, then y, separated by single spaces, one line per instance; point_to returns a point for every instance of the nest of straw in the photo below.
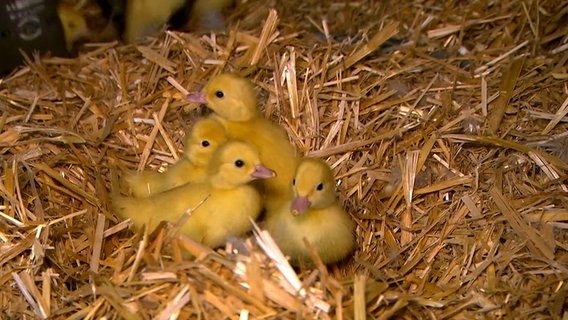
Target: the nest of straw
pixel 445 126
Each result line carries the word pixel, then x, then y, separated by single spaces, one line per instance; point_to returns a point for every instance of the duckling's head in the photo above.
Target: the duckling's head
pixel 236 163
pixel 230 96
pixel 313 186
pixel 204 138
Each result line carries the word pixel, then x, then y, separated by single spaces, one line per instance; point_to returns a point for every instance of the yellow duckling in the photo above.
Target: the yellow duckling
pixel 74 25
pixel 233 100
pixel 230 200
pixel 312 212
pixel 147 17
pixel 200 144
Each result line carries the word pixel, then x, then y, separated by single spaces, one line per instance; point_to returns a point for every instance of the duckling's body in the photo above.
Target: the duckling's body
pixel 234 102
pixel 312 212
pixel 149 183
pixel 230 200
pixel 200 144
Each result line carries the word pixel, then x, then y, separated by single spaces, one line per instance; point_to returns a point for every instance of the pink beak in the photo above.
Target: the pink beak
pixel 197 97
pixel 261 172
pixel 300 205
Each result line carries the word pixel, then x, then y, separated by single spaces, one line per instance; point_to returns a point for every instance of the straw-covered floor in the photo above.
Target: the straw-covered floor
pixel 445 126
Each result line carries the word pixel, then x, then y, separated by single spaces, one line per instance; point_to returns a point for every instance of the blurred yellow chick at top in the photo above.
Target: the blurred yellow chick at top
pixel 147 17
pixel 233 100
pixel 74 25
pixel 312 212
pixel 230 200
pixel 200 144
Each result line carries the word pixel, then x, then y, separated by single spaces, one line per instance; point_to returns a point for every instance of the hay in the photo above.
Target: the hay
pixel 445 125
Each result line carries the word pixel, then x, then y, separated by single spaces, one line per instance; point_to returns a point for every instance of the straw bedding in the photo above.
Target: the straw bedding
pixel 445 125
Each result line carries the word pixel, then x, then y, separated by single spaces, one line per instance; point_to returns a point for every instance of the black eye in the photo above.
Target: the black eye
pixel 219 94
pixel 319 187
pixel 294 182
pixel 239 163
pixel 205 143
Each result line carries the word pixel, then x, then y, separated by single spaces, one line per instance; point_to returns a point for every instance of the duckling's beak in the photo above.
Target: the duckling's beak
pixel 261 172
pixel 300 205
pixel 197 97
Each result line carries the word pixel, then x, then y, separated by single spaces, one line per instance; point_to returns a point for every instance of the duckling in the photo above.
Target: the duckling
pixel 146 17
pixel 74 26
pixel 206 135
pixel 229 200
pixel 233 100
pixel 312 212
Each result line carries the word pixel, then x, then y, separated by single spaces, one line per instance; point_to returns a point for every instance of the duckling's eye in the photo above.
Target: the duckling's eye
pixel 239 163
pixel 319 187
pixel 293 182
pixel 219 94
pixel 205 143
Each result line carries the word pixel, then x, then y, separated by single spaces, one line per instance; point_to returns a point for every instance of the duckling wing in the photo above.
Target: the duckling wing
pixel 169 205
pixel 183 172
pixel 150 183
